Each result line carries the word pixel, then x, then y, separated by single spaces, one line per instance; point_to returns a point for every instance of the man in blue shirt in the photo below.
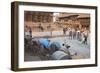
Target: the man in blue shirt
pixel 44 43
pixel 50 46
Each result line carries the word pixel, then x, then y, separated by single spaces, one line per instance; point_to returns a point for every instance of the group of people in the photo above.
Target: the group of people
pixel 43 47
pixel 79 34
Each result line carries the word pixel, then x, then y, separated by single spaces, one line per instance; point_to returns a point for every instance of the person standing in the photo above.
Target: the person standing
pixel 64 31
pixel 78 35
pixel 30 31
pixel 74 33
pixel 70 33
pixel 85 36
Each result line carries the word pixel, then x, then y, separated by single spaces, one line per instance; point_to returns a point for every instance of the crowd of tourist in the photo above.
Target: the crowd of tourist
pixel 79 34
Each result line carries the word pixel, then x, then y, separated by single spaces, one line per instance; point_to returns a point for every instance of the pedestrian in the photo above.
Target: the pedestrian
pixel 78 35
pixel 64 31
pixel 30 31
pixel 85 36
pixel 70 33
pixel 73 33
